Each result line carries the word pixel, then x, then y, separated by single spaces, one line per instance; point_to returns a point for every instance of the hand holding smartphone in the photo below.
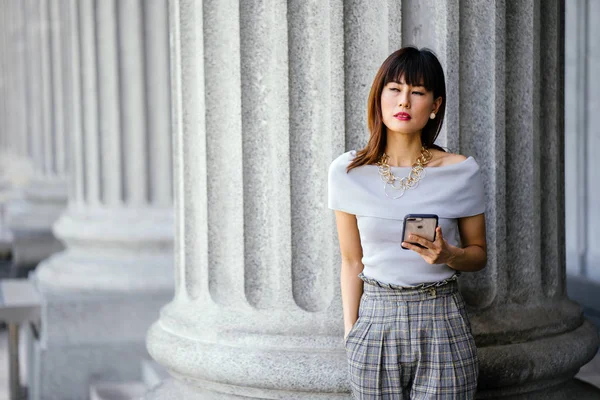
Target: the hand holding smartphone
pixel 423 225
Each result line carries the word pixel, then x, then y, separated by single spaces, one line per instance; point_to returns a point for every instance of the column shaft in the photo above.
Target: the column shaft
pixel 245 196
pixel 39 103
pixel 224 162
pixel 481 99
pixel 48 161
pixel 74 151
pixel 316 42
pixel 133 123
pixel 102 292
pixel 109 118
pixel 264 49
pixel 84 21
pixel 34 61
pixel 156 63
pixel 107 180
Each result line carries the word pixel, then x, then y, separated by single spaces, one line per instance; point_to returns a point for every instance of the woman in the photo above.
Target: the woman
pixel 407 333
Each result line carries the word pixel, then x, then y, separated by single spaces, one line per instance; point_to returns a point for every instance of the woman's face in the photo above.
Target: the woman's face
pixel 406 108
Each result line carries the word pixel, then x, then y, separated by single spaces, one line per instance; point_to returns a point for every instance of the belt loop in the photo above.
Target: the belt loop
pixel 432 292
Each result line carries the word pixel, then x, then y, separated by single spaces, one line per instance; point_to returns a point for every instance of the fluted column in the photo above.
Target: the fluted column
pixel 14 126
pixel 15 165
pixel 504 69
pixel 250 183
pixel 5 185
pixel 582 100
pixel 251 125
pixel 510 70
pixel 510 93
pixel 121 195
pixel 5 237
pixel 264 98
pixel 103 291
pixel 30 218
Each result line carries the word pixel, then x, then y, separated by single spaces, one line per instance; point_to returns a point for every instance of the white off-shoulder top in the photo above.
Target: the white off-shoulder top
pixel 450 191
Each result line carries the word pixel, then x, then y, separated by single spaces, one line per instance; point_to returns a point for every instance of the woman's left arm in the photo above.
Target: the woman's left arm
pixel 472 256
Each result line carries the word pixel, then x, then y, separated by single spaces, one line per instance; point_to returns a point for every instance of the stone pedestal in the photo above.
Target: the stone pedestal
pixel 30 220
pixel 255 243
pixel 15 172
pixel 102 292
pixel 100 295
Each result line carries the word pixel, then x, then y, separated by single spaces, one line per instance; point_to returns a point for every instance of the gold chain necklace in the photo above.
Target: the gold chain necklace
pixel 408 182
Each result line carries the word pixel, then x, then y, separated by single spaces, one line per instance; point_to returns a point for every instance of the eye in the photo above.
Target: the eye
pixel 419 93
pixel 395 89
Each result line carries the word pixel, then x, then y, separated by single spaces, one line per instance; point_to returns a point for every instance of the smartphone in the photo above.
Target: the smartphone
pixel 423 225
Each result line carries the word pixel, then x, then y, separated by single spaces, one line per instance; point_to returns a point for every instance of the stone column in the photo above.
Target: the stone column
pixel 256 249
pixel 103 291
pixel 505 83
pixel 30 218
pixel 15 166
pixel 14 136
pixel 251 123
pixel 5 237
pixel 582 101
pixel 510 90
pixel 259 104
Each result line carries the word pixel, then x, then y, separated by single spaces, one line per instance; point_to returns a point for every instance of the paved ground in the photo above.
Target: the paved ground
pixel 591 372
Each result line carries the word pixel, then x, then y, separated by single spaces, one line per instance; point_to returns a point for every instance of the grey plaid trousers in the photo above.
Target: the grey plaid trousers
pixel 412 344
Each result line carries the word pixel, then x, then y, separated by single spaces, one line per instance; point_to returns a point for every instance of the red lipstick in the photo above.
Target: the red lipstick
pixel 402 116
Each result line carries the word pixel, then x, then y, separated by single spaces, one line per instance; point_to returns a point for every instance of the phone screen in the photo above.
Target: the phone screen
pixel 423 225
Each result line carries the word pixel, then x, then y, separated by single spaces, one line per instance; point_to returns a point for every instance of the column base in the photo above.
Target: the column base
pixel 6 239
pixel 252 366
pixel 92 336
pixel 30 219
pixel 518 368
pixel 65 372
pixel 569 390
pixel 282 370
pixel 172 389
pixel 37 207
pixel 29 247
pixel 120 251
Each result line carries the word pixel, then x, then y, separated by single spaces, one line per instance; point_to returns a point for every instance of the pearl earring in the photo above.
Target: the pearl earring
pixel 432 115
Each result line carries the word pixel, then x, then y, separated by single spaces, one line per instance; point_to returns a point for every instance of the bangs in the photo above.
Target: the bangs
pixel 415 68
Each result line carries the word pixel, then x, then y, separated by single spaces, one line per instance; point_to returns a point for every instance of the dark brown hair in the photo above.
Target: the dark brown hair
pixel 418 67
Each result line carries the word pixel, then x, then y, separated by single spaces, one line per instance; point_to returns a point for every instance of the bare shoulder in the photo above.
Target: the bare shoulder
pixel 442 158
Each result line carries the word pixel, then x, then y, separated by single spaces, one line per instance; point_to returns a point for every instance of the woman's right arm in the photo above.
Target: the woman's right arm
pixel 351 250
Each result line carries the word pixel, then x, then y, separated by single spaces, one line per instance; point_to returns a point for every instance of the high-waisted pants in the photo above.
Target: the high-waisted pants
pixel 411 344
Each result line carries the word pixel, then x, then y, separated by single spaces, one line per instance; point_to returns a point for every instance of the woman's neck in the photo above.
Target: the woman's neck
pixel 403 149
